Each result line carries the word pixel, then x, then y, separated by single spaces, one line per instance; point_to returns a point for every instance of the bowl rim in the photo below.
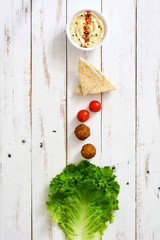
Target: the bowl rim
pixel 68 29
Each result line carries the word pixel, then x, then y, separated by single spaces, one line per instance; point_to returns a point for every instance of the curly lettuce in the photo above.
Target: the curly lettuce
pixel 82 200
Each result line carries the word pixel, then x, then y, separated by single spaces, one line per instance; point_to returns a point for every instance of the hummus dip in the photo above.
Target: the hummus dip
pixel 87 29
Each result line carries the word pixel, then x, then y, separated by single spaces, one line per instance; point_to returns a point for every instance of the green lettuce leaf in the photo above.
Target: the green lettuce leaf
pixel 82 200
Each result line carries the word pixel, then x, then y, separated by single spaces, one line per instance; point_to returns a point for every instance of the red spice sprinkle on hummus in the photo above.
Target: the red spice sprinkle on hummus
pixel 86 28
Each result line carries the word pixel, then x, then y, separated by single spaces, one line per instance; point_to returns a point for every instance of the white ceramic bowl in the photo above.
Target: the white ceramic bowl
pixel 68 30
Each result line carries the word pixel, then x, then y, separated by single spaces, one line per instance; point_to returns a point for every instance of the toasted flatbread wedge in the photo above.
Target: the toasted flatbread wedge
pixel 89 77
pixel 78 90
pixel 104 86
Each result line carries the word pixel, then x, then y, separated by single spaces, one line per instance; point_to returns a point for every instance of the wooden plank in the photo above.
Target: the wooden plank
pixel 118 111
pixel 15 123
pixel 76 102
pixel 49 108
pixel 148 120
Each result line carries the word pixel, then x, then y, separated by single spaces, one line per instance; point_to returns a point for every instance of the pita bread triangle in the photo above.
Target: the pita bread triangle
pixel 89 77
pixel 103 86
pixel 78 90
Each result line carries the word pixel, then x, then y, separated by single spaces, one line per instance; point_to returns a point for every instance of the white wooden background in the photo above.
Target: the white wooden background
pixel 38 75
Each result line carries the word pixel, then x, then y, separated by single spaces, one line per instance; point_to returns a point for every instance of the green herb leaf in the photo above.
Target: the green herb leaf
pixel 81 45
pixel 99 26
pixel 73 35
pixel 92 21
pixel 76 34
pixel 96 34
pixel 79 39
pixel 82 15
pixel 76 23
pixel 82 200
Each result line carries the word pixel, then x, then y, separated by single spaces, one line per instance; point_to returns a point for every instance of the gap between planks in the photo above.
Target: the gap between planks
pixel 66 130
pixel 101 93
pixel 135 119
pixel 31 112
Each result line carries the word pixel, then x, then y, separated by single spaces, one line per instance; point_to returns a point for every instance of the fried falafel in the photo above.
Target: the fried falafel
pixel 88 151
pixel 82 132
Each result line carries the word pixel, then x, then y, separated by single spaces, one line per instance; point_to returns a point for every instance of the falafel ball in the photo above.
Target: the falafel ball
pixel 88 151
pixel 82 132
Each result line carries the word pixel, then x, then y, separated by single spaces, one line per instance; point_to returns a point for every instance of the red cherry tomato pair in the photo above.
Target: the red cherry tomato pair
pixel 83 115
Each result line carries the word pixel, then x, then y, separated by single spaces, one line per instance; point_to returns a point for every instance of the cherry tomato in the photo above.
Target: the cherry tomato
pixel 83 115
pixel 95 106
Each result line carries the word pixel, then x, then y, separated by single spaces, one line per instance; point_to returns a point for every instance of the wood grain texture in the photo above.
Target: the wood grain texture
pixel 76 102
pixel 48 108
pixel 118 112
pixel 148 120
pixel 38 108
pixel 15 150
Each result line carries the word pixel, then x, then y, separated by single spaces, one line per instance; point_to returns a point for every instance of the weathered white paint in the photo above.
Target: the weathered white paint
pixel 118 113
pixel 15 155
pixel 76 102
pixel 40 117
pixel 48 108
pixel 148 120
